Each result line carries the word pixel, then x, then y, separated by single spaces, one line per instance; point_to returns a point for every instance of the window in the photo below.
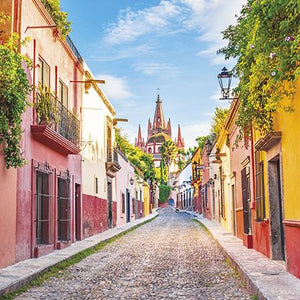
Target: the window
pixel 44 73
pixel 64 211
pixel 63 94
pixel 133 205
pixel 43 200
pixel 149 150
pixel 123 203
pixel 259 188
pixel 96 185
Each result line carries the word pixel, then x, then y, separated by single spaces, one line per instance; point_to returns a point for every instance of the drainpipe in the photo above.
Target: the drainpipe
pixel 253 169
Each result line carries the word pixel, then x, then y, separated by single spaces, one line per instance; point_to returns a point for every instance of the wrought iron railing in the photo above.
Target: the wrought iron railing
pixel 74 49
pixel 51 112
pixel 112 155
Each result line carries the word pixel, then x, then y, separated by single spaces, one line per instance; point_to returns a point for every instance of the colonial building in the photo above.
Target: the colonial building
pixel 158 132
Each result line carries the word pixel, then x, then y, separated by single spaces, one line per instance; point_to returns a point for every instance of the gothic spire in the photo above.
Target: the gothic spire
pixel 139 141
pixel 180 140
pixel 159 119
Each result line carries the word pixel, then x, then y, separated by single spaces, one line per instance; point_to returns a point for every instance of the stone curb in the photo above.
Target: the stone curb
pixel 20 274
pixel 264 277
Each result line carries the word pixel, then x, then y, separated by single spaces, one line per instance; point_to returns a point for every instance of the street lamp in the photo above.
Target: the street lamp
pixel 131 181
pixel 224 81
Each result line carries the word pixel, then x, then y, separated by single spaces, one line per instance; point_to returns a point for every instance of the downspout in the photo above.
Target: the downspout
pixel 253 169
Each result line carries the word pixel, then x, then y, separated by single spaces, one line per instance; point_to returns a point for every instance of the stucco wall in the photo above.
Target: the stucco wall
pixel 94 215
pixel 122 183
pixel 58 56
pixel 8 184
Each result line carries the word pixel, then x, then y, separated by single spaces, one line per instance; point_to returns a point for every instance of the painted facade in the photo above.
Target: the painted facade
pixel 125 191
pixel 196 163
pixel 99 167
pixel 278 153
pixel 222 158
pixel 48 189
pixel 184 188
pixel 146 198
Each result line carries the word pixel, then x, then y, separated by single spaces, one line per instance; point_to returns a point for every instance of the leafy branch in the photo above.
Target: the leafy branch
pixel 266 42
pixel 14 88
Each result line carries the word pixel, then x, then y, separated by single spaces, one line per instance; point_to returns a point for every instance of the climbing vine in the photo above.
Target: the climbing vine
pixel 266 43
pixel 14 88
pixel 58 16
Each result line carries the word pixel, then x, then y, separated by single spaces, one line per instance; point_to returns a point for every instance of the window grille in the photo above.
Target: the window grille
pixel 64 207
pixel 43 202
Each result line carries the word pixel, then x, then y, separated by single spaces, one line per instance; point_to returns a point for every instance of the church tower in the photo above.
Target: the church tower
pixel 158 132
pixel 139 141
pixel 180 141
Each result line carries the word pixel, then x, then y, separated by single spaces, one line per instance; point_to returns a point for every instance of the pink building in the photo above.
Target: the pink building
pixel 45 195
pixel 125 191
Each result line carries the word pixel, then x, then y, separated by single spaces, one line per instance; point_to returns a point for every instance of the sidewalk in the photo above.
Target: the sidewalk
pixel 18 275
pixel 264 277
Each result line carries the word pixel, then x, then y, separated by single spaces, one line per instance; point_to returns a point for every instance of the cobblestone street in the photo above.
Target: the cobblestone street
pixel 171 257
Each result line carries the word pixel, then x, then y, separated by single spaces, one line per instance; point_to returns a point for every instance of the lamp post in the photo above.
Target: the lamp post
pixel 225 78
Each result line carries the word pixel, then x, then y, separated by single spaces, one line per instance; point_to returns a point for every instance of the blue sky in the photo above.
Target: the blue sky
pixel 138 46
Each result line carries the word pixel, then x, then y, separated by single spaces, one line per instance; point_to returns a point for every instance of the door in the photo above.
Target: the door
pixel 276 211
pixel 109 204
pixel 246 201
pixel 77 212
pixel 127 206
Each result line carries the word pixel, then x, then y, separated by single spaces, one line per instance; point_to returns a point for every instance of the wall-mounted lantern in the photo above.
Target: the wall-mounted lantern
pixel 225 78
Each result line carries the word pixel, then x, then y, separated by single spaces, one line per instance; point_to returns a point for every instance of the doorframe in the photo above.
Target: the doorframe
pixel 127 206
pixel 276 207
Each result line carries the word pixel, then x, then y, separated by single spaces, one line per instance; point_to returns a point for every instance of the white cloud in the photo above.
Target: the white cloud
pixel 155 68
pixel 207 17
pixel 132 25
pixel 115 88
pixel 191 131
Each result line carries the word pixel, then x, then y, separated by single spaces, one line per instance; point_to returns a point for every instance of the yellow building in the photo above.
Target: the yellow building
pixel 280 154
pixel 146 198
pixel 223 158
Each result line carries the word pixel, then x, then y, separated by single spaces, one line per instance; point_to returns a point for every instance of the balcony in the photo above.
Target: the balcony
pixel 55 125
pixel 112 162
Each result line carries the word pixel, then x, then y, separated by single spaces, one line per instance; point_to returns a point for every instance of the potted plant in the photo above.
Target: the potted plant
pixel 45 106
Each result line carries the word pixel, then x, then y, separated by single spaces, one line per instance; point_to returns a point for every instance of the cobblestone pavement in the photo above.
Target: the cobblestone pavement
pixel 171 257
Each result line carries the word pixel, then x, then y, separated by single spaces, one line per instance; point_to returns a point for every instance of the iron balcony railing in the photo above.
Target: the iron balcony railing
pixel 112 155
pixel 74 49
pixel 51 112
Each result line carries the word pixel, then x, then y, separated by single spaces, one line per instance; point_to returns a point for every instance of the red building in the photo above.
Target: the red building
pixel 46 192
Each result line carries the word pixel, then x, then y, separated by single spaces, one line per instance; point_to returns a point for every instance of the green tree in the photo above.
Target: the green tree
pixel 218 120
pixel 164 192
pixel 168 152
pixel 265 41
pixel 143 161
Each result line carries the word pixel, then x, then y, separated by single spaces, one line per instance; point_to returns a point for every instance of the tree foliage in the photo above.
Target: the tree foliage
pixel 168 152
pixel 164 192
pixel 218 121
pixel 58 16
pixel 266 42
pixel 14 88
pixel 143 161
